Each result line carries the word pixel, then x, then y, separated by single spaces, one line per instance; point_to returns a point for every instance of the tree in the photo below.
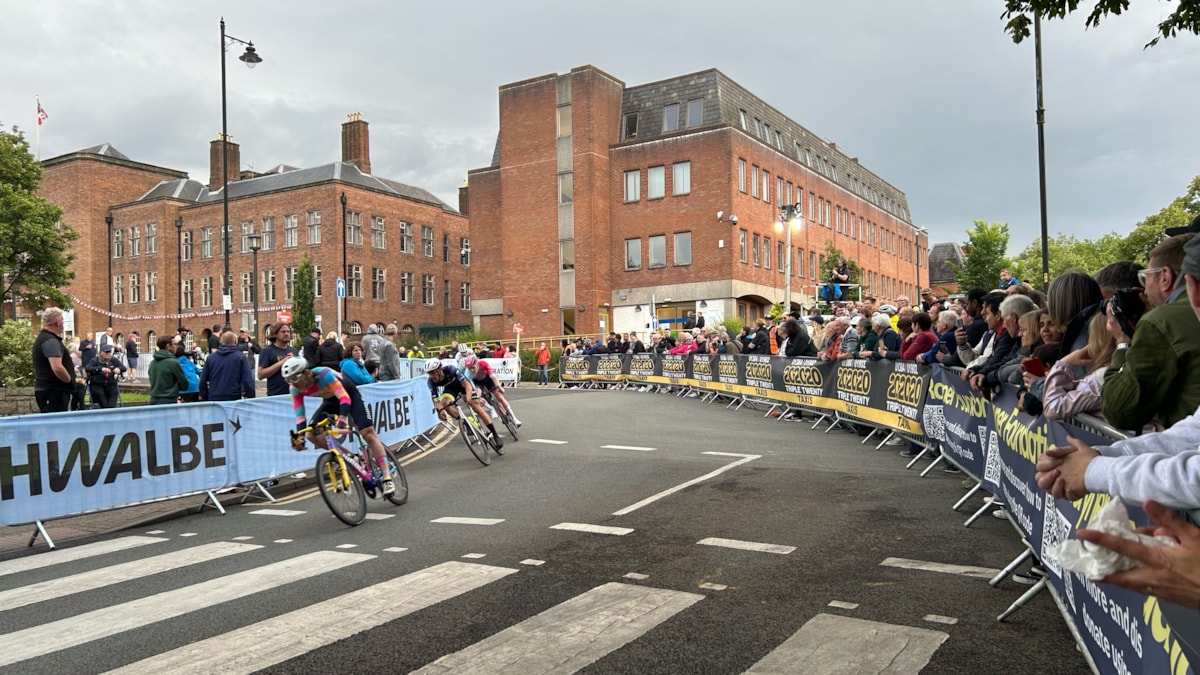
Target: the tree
pixel 33 241
pixel 16 354
pixel 1067 252
pixel 984 255
pixel 1148 233
pixel 832 255
pixel 303 300
pixel 1184 19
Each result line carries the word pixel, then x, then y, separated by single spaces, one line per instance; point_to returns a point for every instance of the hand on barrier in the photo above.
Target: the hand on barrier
pixel 1061 470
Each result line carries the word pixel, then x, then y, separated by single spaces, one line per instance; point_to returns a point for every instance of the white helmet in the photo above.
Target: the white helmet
pixel 430 365
pixel 293 366
pixel 464 349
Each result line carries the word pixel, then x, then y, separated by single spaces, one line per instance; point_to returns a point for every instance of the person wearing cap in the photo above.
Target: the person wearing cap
pixel 816 330
pixel 102 373
pixel 214 338
pixel 310 345
pixel 1156 371
pixel 927 300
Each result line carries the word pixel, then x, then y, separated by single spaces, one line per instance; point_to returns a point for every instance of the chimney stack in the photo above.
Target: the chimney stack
pixel 464 200
pixel 356 142
pixel 214 162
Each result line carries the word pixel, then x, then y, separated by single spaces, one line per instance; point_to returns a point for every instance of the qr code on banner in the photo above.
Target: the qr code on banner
pixel 1055 530
pixel 935 422
pixel 991 472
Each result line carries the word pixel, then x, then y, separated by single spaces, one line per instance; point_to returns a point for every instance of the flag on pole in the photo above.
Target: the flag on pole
pixel 41 116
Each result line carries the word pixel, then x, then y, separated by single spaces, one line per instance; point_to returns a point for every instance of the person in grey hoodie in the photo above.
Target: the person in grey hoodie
pixel 226 375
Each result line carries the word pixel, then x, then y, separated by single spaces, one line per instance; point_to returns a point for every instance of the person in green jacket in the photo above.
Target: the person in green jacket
pixel 166 375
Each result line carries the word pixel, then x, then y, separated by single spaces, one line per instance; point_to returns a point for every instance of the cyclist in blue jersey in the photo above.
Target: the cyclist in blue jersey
pixel 452 384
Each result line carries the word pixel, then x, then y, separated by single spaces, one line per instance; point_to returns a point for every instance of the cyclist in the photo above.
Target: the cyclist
pixel 342 401
pixel 483 377
pixel 454 384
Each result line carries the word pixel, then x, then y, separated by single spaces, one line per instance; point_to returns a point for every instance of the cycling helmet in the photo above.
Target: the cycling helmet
pixel 293 366
pixel 464 349
pixel 469 361
pixel 431 365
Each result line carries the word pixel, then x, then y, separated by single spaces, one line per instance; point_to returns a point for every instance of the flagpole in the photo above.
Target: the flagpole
pixel 38 119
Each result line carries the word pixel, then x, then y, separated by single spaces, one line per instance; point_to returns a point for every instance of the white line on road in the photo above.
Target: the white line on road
pixel 468 521
pixel 379 516
pixel 747 545
pixel 840 644
pixel 670 491
pixel 547 440
pixel 731 454
pixel 74 553
pixel 713 587
pixel 938 618
pixel 598 529
pixel 299 632
pixel 961 570
pixel 395 549
pixel 627 447
pixel 843 605
pixel 533 561
pixel 474 556
pixel 277 512
pixel 637 576
pixel 83 628
pixel 571 635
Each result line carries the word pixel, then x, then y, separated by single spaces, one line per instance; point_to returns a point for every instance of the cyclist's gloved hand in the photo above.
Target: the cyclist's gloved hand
pixel 342 422
pixel 297 441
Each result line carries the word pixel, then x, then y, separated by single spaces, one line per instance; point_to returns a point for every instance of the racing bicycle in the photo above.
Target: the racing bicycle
pixel 475 434
pixel 346 474
pixel 501 413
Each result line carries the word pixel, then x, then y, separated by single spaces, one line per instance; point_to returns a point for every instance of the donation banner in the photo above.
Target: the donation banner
pixel 958 419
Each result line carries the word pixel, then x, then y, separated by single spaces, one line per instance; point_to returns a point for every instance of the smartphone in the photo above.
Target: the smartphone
pixel 960 323
pixel 943 348
pixel 1034 366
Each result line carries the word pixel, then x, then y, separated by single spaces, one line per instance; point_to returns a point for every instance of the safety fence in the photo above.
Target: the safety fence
pixel 994 442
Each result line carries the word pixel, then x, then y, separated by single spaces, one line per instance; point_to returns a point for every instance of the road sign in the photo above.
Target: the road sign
pixel 283 316
pixel 341 287
pixel 518 328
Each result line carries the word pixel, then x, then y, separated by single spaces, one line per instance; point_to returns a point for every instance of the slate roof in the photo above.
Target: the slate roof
pixel 104 150
pixel 940 256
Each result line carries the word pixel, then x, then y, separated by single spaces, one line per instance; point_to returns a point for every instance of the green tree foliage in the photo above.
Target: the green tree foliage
pixel 1067 252
pixel 984 255
pixel 1185 18
pixel 832 255
pixel 1148 233
pixel 34 262
pixel 304 300
pixel 16 354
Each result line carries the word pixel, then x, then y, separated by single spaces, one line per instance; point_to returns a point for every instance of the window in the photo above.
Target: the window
pixel 633 254
pixel 247 230
pixel 742 118
pixel 247 288
pixel 291 231
pixel 766 252
pixel 206 292
pixel 268 233
pixel 742 245
pixel 151 238
pixel 427 289
pixel 779 140
pixel 800 262
pixel 742 175
pixel 566 188
pixel 446 293
pixel 681 178
pixel 683 248
pixel 753 181
pixel 779 196
pixel 268 282
pixel 317 281
pixel 464 251
pixel 118 244
pixel 766 186
pixel 151 284
pixel 187 300
pixel 406 287
pixel 186 246
pixel 779 256
pixel 378 232
pixel 135 289
pixel 671 117
pixel 427 241
pixel 656 177
pixel 314 227
pixel 566 255
pixel 564 120
pixel 464 294
pixel 658 251
pixel 289 283
pixel 633 185
pixel 118 290
pixel 135 242
pixel 757 127
pixel 695 112
pixel 406 238
pixel 812 265
pixel 757 251
pixel 354 281
pixel 205 243
pixel 378 283
pixel 766 132
pixel 631 126
pixel 812 207
pixel 354 228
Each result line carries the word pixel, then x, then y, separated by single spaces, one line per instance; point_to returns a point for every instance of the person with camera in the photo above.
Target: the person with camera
pixel 1155 370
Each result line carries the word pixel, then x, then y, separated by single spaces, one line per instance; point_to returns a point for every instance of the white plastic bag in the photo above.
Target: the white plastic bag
pixel 1096 562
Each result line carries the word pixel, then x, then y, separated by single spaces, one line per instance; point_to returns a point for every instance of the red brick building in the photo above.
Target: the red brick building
pixel 406 252
pixel 602 199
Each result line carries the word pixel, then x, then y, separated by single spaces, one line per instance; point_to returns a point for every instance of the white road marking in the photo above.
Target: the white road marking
pixel 598 529
pixel 731 454
pixel 346 546
pixel 277 512
pixel 670 491
pixel 747 545
pixel 156 531
pixel 115 574
pixel 74 553
pixel 283 541
pixel 571 635
pixel 83 628
pixel 961 570
pixel 189 534
pixel 299 632
pixel 243 538
pixel 637 576
pixel 379 516
pixel 843 605
pixel 938 618
pixel 713 587
pixel 395 549
pixel 840 644
pixel 468 521
pixel 547 440
pixel 475 556
pixel 628 447
pixel 531 561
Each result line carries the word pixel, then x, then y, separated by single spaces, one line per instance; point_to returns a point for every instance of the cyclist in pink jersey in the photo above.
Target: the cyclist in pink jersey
pixel 484 377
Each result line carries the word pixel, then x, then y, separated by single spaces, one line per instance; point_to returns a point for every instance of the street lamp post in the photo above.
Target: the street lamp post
pixel 108 220
pixel 345 270
pixel 251 59
pixel 179 264
pixel 255 247
pixel 789 216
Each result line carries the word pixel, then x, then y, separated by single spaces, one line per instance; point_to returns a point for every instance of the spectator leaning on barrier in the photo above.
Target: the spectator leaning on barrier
pixel 886 338
pixel 1064 394
pixel 834 330
pixel 986 376
pixel 279 349
pixel 868 340
pixel 944 348
pixel 354 366
pixel 1157 372
pixel 796 342
pixel 975 354
pixel 191 393
pixel 923 339
pixel 1074 298
pixel 891 350
pixel 633 345
pixel 166 375
pixel 103 371
pixel 226 375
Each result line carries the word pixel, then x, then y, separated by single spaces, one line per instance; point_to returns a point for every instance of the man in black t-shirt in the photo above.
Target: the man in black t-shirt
pixel 271 359
pixel 54 383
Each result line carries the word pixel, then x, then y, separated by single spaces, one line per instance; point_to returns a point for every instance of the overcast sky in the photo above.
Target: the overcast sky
pixel 931 95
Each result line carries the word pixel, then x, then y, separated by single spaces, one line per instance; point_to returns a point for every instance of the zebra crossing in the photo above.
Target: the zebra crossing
pixel 563 638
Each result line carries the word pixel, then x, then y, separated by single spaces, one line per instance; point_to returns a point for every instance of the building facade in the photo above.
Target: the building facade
pixel 150 255
pixel 605 204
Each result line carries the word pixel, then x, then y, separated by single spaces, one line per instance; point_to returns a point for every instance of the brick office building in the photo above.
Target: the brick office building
pixel 404 248
pixel 602 199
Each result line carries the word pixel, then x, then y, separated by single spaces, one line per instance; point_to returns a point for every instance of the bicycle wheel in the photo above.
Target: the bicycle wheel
pixel 398 478
pixel 341 489
pixel 509 423
pixel 474 441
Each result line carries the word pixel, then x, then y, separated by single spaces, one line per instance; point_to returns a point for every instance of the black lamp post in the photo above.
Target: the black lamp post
pixel 1041 134
pixel 255 246
pixel 251 59
pixel 179 263
pixel 345 269
pixel 108 220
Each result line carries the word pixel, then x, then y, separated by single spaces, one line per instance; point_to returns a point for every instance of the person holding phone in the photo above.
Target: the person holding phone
pixel 945 350
pixel 1065 394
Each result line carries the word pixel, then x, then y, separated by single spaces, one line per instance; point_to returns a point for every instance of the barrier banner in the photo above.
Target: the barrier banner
pixel 75 462
pixel 611 367
pixel 576 368
pixel 644 367
pixel 676 369
pixel 704 370
pixel 808 380
pixel 957 418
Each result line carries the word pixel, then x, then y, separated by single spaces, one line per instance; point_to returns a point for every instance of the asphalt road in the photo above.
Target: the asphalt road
pixel 830 509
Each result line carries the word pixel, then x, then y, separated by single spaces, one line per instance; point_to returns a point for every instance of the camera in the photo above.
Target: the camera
pixel 1127 306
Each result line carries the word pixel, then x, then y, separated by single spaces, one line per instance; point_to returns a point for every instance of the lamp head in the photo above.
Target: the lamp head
pixel 733 220
pixel 250 57
pixel 179 223
pixel 255 241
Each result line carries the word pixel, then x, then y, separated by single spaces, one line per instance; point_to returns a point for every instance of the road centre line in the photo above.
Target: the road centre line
pixel 670 491
pixel 627 447
pixel 547 440
pixel 74 553
pixel 747 545
pixel 598 529
pixel 453 520
pixel 961 570
pixel 276 512
pixel 731 454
